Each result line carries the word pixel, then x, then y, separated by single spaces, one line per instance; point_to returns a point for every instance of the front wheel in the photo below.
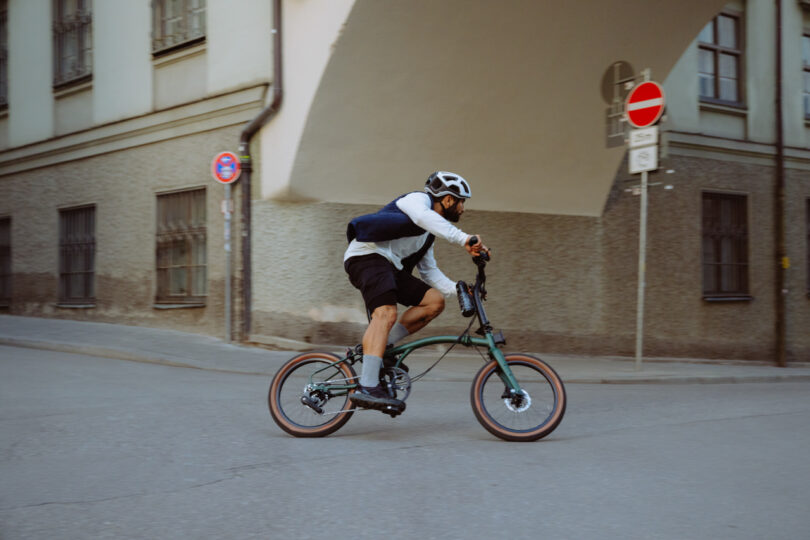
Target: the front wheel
pixel 308 396
pixel 528 416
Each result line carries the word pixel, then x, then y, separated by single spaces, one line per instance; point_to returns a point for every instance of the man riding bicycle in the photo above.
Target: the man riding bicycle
pixel 384 248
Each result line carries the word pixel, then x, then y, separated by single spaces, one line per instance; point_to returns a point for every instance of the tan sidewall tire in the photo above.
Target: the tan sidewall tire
pixel 490 425
pixel 278 416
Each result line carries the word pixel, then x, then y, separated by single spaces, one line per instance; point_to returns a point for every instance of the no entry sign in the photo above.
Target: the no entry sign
pixel 645 104
pixel 226 167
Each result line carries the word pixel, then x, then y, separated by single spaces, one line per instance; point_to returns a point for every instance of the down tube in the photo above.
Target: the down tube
pixel 468 341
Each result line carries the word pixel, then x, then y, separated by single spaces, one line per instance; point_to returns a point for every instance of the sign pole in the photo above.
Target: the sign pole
pixel 642 269
pixel 226 169
pixel 643 108
pixel 228 257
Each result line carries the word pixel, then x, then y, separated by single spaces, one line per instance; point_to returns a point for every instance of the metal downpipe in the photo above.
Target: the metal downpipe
pixel 248 132
pixel 782 261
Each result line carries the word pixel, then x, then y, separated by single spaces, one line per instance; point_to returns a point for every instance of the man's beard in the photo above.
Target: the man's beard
pixel 452 214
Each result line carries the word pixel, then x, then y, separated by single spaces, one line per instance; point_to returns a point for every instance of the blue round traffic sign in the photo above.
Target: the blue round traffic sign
pixel 226 167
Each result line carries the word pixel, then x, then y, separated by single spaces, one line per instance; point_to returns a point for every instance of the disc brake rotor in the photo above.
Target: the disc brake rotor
pixel 518 403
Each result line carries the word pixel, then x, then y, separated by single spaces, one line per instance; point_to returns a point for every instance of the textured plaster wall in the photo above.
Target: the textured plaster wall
pixel 561 283
pixel 123 186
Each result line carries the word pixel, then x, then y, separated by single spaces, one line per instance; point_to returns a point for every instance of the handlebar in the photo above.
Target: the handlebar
pixel 482 257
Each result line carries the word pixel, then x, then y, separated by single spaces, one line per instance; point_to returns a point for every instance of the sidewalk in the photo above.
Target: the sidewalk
pixel 181 349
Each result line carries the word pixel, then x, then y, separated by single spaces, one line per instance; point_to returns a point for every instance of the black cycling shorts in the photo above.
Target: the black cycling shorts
pixel 382 284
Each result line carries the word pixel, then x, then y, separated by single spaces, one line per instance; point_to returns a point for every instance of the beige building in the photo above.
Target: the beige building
pixel 114 110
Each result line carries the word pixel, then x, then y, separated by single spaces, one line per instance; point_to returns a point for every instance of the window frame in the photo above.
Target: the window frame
pixel 165 235
pixel 805 75
pixel 159 33
pixel 717 50
pixel 3 55
pixel 71 251
pixel 807 244
pixel 716 235
pixel 62 25
pixel 6 274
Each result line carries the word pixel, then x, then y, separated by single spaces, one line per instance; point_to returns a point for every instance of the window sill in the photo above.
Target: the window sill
pixel 727 107
pixel 73 87
pixel 75 306
pixel 729 298
pixel 179 52
pixel 178 306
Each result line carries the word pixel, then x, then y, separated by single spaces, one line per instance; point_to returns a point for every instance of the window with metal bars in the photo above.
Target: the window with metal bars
pixel 72 42
pixel 77 255
pixel 181 247
pixel 5 262
pixel 720 60
pixel 176 24
pixel 806 73
pixel 3 54
pixel 725 246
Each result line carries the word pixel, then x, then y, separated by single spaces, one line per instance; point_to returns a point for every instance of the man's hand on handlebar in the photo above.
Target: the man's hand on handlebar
pixel 475 245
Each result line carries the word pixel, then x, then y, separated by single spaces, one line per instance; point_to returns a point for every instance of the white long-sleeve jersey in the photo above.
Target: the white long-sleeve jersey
pixel 417 206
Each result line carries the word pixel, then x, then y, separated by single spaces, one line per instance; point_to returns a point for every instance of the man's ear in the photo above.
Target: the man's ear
pixel 449 200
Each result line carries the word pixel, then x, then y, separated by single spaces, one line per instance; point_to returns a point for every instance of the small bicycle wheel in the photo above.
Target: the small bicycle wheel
pixel 300 399
pixel 530 416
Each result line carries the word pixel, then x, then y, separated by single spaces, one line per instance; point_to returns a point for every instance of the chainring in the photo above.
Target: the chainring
pixel 396 382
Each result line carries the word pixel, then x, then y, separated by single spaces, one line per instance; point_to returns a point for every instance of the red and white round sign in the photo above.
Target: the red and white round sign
pixel 645 104
pixel 226 167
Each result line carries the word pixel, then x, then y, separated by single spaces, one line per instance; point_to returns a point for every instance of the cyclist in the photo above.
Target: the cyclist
pixel 384 248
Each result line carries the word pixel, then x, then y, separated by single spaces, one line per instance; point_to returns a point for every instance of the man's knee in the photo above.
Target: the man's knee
pixel 386 315
pixel 434 301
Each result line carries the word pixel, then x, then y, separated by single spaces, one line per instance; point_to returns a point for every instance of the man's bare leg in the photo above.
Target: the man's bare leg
pixel 417 317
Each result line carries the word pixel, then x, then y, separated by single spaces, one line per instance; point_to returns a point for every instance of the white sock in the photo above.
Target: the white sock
pixel 370 375
pixel 397 332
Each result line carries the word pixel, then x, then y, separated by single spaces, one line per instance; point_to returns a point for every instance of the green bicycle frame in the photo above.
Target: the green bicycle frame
pixel 488 341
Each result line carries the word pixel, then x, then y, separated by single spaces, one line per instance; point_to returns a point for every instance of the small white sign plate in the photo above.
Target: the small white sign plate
pixel 643 137
pixel 643 159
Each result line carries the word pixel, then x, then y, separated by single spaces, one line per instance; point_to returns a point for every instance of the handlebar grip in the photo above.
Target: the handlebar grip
pixel 472 241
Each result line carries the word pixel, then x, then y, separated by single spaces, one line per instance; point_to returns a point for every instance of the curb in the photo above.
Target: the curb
pixel 127 355
pixel 115 354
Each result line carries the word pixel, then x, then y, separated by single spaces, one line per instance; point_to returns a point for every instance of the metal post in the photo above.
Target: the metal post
pixel 642 259
pixel 642 267
pixel 228 308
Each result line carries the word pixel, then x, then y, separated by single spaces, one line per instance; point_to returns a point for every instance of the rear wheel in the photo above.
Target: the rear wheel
pixel 300 399
pixel 528 416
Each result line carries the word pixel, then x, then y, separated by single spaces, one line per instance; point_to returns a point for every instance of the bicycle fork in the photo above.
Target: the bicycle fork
pixel 504 371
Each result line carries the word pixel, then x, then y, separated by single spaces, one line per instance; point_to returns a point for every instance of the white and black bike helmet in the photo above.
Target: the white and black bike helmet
pixel 443 183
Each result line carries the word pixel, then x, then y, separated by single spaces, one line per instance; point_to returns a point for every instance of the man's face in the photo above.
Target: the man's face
pixel 453 208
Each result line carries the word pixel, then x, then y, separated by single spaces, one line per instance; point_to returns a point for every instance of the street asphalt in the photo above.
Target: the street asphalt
pixel 168 347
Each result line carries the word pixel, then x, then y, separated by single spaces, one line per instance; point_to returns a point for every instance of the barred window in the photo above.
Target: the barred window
pixel 5 262
pixel 719 60
pixel 806 73
pixel 725 245
pixel 72 41
pixel 808 245
pixel 181 247
pixel 3 54
pixel 177 23
pixel 77 255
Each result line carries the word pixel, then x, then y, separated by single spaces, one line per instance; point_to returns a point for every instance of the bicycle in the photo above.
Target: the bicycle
pixel 516 397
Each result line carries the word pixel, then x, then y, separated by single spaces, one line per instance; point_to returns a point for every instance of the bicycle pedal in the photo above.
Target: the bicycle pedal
pixel 392 411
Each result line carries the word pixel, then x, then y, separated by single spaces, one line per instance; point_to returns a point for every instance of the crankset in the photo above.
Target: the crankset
pixel 396 382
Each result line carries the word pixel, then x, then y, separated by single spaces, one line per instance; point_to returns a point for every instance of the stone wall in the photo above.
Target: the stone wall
pixel 123 186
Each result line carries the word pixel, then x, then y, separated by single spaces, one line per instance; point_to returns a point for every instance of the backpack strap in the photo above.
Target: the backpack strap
pixel 410 262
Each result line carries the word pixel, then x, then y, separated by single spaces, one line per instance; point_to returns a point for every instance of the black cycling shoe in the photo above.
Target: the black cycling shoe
pixel 374 397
